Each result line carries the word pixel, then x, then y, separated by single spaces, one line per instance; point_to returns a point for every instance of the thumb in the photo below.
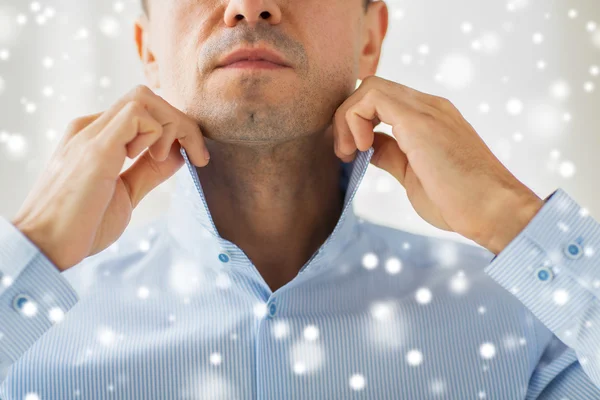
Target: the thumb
pixel 388 156
pixel 146 173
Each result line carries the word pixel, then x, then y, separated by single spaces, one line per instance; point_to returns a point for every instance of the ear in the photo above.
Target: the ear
pixel 375 29
pixel 142 40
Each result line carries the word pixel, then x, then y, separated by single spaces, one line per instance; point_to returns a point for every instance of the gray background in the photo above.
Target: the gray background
pixel 524 73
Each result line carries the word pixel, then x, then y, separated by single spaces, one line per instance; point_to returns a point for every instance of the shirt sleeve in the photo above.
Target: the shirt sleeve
pixel 33 295
pixel 551 267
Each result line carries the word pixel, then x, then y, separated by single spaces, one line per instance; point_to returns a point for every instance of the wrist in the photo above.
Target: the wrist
pixel 513 218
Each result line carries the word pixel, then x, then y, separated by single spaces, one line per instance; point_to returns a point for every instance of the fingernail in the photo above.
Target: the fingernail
pixel 206 154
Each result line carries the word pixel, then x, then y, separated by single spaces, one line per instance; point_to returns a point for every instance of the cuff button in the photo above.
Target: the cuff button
pixel 544 274
pixel 573 251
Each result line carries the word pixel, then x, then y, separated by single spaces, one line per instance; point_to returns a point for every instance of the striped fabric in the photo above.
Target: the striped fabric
pixel 174 311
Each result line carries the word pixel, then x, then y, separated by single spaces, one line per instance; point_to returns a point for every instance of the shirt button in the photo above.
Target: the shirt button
pixel 573 251
pixel 224 256
pixel 20 301
pixel 544 274
pixel 272 309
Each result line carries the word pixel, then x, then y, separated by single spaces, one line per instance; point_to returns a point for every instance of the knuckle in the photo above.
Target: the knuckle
pixel 76 125
pixel 134 107
pixel 140 91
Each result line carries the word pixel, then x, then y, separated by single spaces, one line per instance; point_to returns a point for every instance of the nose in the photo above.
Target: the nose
pixel 253 11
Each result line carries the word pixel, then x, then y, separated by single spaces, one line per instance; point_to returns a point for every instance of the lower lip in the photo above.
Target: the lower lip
pixel 247 64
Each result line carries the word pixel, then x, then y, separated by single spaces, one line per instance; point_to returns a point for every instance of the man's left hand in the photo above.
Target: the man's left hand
pixel 452 179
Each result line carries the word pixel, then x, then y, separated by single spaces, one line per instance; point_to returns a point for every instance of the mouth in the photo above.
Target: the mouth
pixel 253 64
pixel 254 58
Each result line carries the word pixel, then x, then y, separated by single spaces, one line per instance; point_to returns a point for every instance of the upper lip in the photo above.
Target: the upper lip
pixel 254 54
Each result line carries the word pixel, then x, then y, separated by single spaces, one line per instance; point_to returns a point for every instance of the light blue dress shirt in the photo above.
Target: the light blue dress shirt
pixel 174 311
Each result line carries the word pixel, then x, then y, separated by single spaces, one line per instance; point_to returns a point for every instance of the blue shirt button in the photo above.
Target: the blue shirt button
pixel 20 301
pixel 573 251
pixel 224 256
pixel 544 274
pixel 272 309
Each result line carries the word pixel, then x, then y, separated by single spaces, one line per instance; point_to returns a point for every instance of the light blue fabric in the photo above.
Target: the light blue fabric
pixel 174 311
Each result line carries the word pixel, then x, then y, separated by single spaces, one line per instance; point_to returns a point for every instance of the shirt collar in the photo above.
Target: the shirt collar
pixel 190 222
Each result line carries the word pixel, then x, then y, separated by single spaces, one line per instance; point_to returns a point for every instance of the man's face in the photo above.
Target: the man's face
pixel 320 40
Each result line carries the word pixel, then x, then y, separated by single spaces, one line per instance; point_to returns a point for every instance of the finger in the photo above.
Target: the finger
pixel 388 156
pixel 187 130
pixel 77 125
pixel 146 173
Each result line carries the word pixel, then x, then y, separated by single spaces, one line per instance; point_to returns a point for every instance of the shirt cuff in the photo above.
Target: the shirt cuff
pixel 551 268
pixel 33 293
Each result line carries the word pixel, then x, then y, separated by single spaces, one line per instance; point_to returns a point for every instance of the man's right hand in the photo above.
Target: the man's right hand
pixel 82 203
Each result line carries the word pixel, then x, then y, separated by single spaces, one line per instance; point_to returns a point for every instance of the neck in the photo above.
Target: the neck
pixel 277 202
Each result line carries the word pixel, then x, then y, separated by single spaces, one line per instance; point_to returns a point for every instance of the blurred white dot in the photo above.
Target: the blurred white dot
pixel 215 358
pixel 538 38
pixel 490 42
pixel 106 336
pixel 370 261
pixel 456 71
pixel 32 396
pixel 222 281
pixel 40 19
pixel 7 280
pixel 560 297
pixel 484 107
pixel 4 54
pixel 567 117
pixel 48 91
pixel 514 106
pixel 481 310
pixel 30 108
pixel 49 12
pixel 423 49
pixel 406 58
pixel 299 368
pixel 82 33
pixel 541 64
pixel 398 14
pixel 110 26
pixel 518 137
pixel 423 295
pixel 381 311
pixel 414 357
pixel 560 89
pixel 56 314
pixel 594 70
pixel 589 87
pixel 104 82
pixel 118 7
pixel 357 382
pixel 16 144
pixel 144 245
pixel 48 62
pixel 487 350
pixel 591 26
pixel 51 134
pixel 260 310
pixel 393 265
pixel 572 13
pixel 29 308
pixel 21 19
pixel 459 283
pixel 280 329
pixel 466 27
pixel 35 6
pixel 311 333
pixel 566 169
pixel 143 292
